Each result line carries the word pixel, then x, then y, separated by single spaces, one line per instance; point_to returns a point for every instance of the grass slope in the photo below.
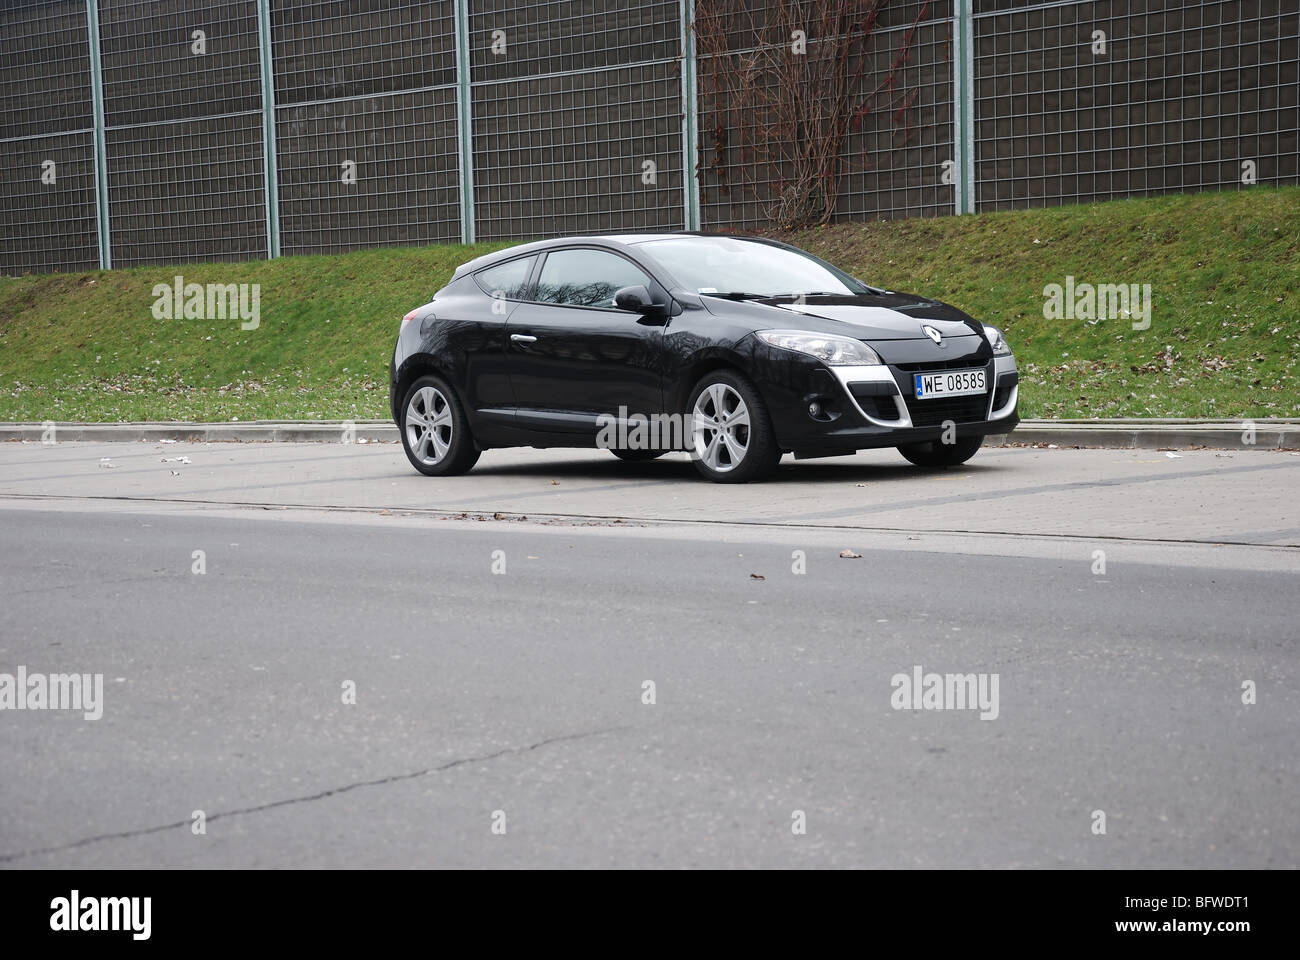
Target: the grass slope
pixel 1224 270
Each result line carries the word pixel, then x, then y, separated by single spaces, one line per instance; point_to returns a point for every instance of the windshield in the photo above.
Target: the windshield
pixel 726 265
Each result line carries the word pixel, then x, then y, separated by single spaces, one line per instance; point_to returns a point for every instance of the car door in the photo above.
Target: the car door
pixel 479 336
pixel 572 355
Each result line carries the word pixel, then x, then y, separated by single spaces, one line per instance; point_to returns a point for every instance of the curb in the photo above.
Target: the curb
pixel 1113 434
pixel 253 431
pixel 1157 434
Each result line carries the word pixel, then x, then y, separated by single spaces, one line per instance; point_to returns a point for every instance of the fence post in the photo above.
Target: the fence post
pixel 963 106
pixel 270 166
pixel 690 120
pixel 464 121
pixel 101 160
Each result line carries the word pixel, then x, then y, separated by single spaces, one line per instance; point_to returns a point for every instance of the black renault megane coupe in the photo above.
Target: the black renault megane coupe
pixel 737 350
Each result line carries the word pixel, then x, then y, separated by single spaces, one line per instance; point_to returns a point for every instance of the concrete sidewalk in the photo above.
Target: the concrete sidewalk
pixel 1263 434
pixel 1248 496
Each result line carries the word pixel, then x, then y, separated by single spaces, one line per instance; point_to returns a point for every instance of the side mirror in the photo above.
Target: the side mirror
pixel 636 299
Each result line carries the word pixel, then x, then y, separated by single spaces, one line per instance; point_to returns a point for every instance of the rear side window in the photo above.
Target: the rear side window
pixel 507 281
pixel 586 278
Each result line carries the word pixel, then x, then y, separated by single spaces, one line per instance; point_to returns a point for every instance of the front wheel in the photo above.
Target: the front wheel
pixel 435 431
pixel 936 454
pixel 732 437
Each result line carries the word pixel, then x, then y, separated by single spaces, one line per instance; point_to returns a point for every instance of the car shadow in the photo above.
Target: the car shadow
pixel 848 470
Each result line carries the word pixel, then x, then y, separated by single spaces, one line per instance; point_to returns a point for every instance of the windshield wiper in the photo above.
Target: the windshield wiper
pixel 742 295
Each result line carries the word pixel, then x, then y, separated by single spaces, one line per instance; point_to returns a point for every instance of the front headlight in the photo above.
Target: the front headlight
pixel 997 341
pixel 828 348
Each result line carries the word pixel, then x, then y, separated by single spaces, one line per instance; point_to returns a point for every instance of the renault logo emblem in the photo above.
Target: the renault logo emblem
pixel 932 333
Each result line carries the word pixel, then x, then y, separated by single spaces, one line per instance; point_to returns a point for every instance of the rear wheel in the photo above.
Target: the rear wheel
pixel 936 454
pixel 732 437
pixel 435 432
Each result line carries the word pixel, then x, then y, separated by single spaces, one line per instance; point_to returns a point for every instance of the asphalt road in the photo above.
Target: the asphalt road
pixel 518 697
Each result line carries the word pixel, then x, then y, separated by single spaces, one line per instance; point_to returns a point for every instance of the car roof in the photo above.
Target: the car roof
pixel 606 240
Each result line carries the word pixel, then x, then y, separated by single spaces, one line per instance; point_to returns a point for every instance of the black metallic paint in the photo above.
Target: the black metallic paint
pixel 589 361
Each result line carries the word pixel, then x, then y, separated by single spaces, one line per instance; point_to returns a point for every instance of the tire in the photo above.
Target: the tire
pixel 935 454
pixel 745 448
pixel 637 456
pixel 446 449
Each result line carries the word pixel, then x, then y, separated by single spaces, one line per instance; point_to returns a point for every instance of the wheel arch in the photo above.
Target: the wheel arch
pixel 680 391
pixel 412 369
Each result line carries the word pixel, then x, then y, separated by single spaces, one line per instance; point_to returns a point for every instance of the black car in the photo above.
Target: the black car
pixel 736 349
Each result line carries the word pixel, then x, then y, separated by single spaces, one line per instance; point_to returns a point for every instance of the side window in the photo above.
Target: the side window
pixel 507 281
pixel 586 278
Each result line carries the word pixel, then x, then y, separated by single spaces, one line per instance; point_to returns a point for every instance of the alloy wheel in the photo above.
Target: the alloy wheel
pixel 428 425
pixel 721 427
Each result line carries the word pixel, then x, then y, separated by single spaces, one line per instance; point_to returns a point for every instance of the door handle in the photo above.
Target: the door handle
pixel 522 338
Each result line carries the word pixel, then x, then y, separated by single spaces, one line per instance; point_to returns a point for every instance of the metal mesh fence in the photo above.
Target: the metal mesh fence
pixel 179 59
pixel 47 195
pixel 365 124
pixel 327 51
pixel 577 117
pixel 894 162
pixel 44 69
pixel 891 163
pixel 136 131
pixel 1088 101
pixel 578 153
pixel 510 39
pixel 47 204
pixel 368 172
pixel 187 191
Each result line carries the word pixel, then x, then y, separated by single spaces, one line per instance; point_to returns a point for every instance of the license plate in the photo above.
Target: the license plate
pixel 949 383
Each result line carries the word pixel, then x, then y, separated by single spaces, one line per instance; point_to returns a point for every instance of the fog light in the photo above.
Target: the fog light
pixel 814 409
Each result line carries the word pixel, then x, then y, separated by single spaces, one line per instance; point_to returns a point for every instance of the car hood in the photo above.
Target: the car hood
pixel 889 316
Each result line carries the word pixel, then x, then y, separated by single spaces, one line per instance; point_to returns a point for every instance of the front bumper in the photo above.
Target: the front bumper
pixel 875 406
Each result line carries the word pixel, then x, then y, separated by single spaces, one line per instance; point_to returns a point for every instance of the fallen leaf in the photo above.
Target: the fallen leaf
pixel 757 576
pixel 849 554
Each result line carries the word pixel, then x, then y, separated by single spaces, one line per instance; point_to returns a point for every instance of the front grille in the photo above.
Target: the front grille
pixel 965 363
pixel 932 413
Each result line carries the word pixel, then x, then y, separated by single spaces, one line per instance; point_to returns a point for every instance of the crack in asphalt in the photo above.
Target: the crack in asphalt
pixel 309 798
pixel 629 522
pixel 77 584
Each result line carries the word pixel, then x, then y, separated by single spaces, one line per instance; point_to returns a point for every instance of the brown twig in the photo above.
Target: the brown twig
pixel 778 111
